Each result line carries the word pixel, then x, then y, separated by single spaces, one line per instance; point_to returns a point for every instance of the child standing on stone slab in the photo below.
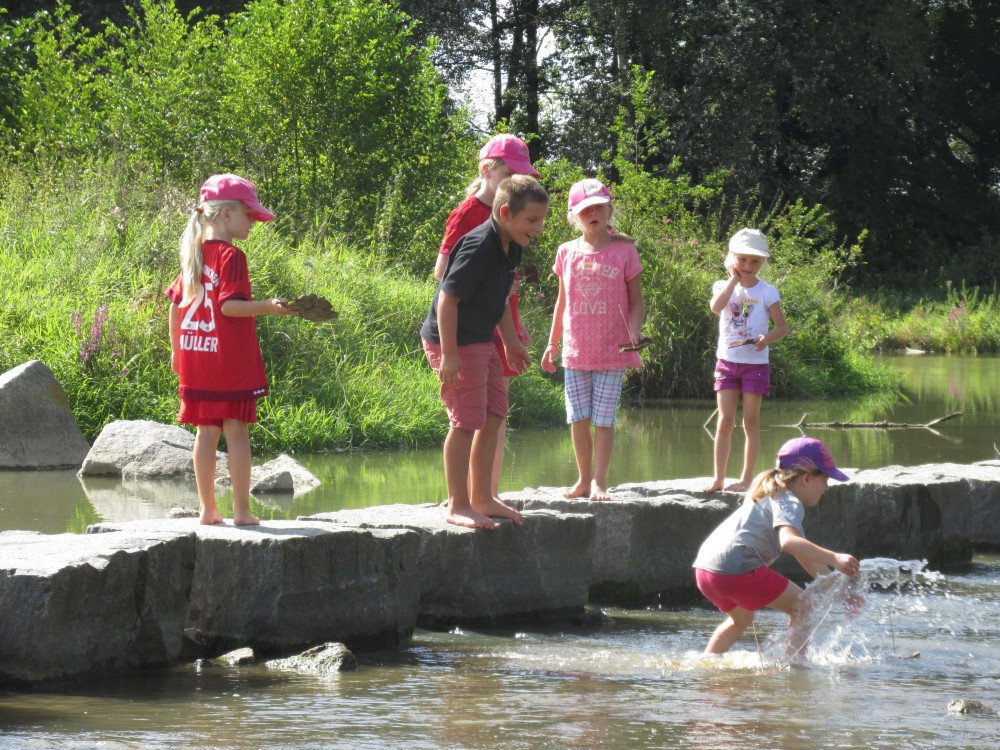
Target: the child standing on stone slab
pixel 599 308
pixel 733 565
pixel 746 305
pixel 213 337
pixel 503 155
pixel 472 300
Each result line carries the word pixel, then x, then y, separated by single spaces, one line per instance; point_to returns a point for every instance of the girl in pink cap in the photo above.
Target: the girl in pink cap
pixel 599 308
pixel 733 565
pixel 502 156
pixel 213 337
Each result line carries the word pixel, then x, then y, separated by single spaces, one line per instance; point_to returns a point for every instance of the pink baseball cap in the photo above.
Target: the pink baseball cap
pixel 810 454
pixel 231 187
pixel 586 193
pixel 512 150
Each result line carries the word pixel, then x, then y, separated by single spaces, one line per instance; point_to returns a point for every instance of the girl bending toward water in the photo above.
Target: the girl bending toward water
pixel 213 337
pixel 599 308
pixel 745 305
pixel 503 156
pixel 733 564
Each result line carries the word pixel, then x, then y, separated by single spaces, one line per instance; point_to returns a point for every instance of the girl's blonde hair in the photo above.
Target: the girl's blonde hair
pixel 490 163
pixel 192 259
pixel 770 481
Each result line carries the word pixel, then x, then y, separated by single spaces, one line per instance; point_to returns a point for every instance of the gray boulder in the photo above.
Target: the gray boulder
pixel 77 605
pixel 281 475
pixel 285 585
pixel 330 658
pixel 474 576
pixel 141 449
pixel 644 541
pixel 37 428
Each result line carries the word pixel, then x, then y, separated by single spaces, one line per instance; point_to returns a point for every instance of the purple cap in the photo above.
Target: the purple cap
pixel 809 454
pixel 231 187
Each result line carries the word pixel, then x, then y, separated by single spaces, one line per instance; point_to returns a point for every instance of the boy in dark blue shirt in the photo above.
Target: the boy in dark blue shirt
pixel 470 302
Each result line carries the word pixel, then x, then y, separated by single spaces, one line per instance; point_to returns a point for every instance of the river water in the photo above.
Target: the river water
pixel 638 683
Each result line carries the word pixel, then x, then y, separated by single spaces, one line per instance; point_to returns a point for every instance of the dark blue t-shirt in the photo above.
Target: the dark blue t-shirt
pixel 480 274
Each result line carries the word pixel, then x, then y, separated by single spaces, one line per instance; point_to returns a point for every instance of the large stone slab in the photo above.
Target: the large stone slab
pixel 644 541
pixel 74 605
pixel 473 576
pixel 285 585
pixel 142 449
pixel 37 428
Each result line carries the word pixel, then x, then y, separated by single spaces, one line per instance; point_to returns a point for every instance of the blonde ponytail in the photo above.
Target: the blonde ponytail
pixel 194 233
pixel 770 481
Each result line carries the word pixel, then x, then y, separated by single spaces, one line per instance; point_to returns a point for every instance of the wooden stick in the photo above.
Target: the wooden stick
pixel 883 425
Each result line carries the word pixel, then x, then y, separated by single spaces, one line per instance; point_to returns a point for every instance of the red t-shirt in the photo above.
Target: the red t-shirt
pixel 467 215
pixel 219 356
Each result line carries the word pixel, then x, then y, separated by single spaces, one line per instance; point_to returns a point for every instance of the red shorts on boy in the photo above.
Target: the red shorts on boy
pixel 748 378
pixel 481 389
pixel 751 591
pixel 211 413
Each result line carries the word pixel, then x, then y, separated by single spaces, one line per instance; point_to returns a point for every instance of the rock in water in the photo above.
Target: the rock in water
pixel 141 449
pixel 326 659
pixel 969 707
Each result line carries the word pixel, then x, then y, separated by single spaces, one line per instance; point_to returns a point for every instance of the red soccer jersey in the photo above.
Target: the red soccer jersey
pixel 219 356
pixel 467 215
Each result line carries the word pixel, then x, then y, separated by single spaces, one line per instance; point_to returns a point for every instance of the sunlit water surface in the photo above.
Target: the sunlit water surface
pixel 639 683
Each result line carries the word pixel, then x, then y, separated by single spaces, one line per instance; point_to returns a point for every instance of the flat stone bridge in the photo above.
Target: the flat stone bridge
pixel 153 593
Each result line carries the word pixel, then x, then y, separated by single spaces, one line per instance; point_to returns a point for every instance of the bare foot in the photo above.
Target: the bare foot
pixel 496 509
pixel 597 492
pixel 470 519
pixel 713 487
pixel 247 520
pixel 739 486
pixel 211 520
pixel 580 489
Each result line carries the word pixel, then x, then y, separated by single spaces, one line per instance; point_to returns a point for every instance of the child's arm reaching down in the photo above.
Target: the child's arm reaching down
pixel 814 559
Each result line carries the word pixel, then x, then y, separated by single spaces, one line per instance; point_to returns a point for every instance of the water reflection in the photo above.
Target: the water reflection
pixel 665 440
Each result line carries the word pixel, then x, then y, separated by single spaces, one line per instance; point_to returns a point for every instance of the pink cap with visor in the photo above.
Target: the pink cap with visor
pixel 231 187
pixel 587 193
pixel 512 150
pixel 809 454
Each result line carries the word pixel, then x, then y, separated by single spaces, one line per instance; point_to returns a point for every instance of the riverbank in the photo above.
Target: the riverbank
pixel 151 593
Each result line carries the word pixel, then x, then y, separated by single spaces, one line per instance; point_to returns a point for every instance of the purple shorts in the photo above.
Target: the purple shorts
pixel 742 377
pixel 751 591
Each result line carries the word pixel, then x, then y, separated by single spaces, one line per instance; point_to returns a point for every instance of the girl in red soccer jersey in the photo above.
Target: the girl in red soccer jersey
pixel 213 337
pixel 502 156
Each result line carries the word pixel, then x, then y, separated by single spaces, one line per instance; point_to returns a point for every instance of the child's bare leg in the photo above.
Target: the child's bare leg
pixel 604 443
pixel 729 631
pixel 727 401
pixel 238 445
pixel 498 461
pixel 792 603
pixel 484 449
pixel 457 469
pixel 583 449
pixel 206 441
pixel 751 428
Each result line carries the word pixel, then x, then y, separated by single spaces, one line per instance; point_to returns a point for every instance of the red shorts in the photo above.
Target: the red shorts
pixel 211 413
pixel 742 377
pixel 481 389
pixel 751 591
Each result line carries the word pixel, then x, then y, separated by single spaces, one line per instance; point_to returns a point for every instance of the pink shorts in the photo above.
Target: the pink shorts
pixel 751 591
pixel 481 389
pixel 742 377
